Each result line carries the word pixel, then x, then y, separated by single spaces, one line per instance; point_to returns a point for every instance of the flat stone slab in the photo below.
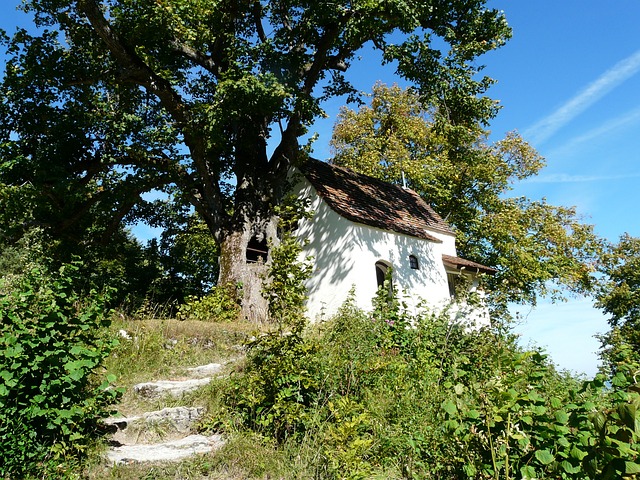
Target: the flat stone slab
pixel 169 387
pixel 206 370
pixel 165 452
pixel 180 418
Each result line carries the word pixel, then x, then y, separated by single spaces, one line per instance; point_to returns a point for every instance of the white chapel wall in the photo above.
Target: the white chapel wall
pixel 344 256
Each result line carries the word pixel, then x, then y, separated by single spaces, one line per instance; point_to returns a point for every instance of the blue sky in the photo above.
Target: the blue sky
pixel 569 81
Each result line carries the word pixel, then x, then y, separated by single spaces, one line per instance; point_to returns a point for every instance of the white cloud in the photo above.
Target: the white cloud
pixel 615 124
pixel 548 126
pixel 566 178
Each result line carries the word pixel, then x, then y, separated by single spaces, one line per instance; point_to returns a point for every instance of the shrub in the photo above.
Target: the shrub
pixel 433 400
pixel 389 395
pixel 219 305
pixel 51 401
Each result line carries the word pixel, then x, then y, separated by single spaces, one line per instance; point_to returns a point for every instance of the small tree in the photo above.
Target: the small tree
pixel 619 297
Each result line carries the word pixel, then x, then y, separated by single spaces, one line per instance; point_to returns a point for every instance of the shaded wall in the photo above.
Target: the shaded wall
pixel 344 256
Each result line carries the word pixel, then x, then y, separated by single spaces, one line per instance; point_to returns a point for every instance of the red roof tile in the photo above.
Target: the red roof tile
pixel 370 201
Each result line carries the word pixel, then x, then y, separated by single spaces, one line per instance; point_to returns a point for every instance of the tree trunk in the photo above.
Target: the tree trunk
pixel 247 276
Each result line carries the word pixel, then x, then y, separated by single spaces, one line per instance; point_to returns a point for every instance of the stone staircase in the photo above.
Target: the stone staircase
pixel 166 434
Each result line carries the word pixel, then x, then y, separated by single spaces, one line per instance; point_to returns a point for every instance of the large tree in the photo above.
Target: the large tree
pixel 206 99
pixel 537 248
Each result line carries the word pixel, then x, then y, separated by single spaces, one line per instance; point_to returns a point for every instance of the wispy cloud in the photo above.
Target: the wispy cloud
pixel 611 125
pixel 566 178
pixel 621 71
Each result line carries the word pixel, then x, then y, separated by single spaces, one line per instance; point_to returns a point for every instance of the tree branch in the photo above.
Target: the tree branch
pixel 257 18
pixel 139 72
pixel 199 58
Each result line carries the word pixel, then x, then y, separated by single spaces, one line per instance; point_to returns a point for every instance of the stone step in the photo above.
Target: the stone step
pixel 208 370
pixel 174 388
pixel 168 423
pixel 164 435
pixel 200 376
pixel 165 452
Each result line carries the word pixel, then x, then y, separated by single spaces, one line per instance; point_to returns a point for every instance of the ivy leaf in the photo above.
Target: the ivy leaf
pixel 562 417
pixel 631 467
pixel 567 467
pixel 528 472
pixel 577 453
pixel 628 414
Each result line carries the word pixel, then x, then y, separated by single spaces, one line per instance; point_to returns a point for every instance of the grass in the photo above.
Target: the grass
pixel 162 349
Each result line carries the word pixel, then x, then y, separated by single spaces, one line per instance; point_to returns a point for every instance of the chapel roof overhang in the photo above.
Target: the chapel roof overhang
pixel 464 264
pixel 367 200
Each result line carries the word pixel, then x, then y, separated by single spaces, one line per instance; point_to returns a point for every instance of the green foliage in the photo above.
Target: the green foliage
pixel 21 256
pixel 219 305
pixel 205 101
pixel 395 396
pixel 537 248
pixel 52 344
pixel 188 256
pixel 275 395
pixel 617 450
pixel 619 296
pixel 284 285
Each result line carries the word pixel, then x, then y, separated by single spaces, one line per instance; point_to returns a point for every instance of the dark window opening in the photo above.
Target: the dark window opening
pixel 413 262
pixel 257 250
pixel 453 280
pixel 381 273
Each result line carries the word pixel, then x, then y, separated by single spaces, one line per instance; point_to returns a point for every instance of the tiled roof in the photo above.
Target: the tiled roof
pixel 460 263
pixel 370 201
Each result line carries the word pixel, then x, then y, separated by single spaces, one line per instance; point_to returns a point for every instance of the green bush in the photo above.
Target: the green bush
pixel 395 396
pixel 51 400
pixel 390 395
pixel 219 305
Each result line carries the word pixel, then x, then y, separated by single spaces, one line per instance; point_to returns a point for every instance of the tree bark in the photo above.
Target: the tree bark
pixel 247 278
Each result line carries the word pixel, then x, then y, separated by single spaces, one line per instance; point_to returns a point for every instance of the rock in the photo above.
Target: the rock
pixel 205 370
pixel 169 387
pixel 167 451
pixel 124 334
pixel 180 419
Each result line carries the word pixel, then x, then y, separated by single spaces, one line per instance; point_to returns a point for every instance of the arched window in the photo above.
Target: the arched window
pixel 413 262
pixel 382 268
pixel 453 280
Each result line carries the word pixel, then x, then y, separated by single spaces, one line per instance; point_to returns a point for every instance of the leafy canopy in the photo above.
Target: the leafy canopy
pixel 618 296
pixel 115 98
pixel 537 248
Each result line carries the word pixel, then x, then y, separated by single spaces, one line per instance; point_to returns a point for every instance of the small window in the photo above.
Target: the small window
pixel 413 262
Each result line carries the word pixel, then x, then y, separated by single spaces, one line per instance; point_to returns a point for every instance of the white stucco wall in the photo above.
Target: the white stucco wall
pixel 344 256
